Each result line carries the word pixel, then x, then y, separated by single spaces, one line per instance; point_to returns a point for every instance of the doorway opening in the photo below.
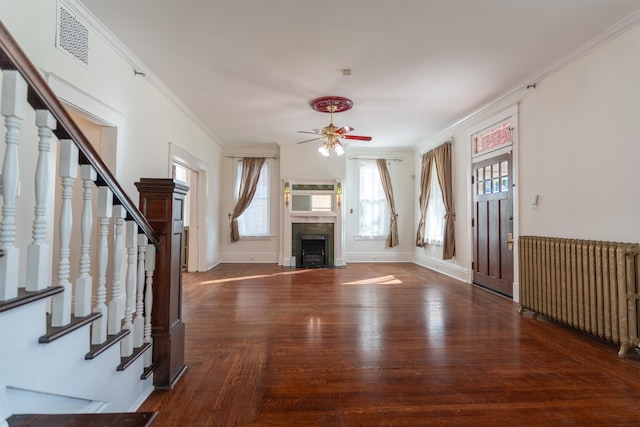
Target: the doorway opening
pixel 193 172
pixel 494 196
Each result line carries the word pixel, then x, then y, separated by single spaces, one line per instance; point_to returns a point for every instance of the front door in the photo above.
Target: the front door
pixel 493 224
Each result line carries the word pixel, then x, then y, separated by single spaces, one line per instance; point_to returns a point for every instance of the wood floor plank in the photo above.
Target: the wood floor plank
pixel 383 345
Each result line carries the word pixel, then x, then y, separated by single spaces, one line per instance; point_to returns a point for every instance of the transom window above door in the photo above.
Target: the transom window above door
pixel 493 139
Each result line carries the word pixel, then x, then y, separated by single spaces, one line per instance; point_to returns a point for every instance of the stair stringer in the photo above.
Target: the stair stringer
pixel 59 367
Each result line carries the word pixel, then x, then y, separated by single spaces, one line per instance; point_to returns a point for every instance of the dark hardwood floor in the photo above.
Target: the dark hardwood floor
pixel 383 345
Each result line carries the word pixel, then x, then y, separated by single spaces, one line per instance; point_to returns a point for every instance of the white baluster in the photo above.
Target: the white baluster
pixel 38 251
pixel 138 323
pixel 126 348
pixel 13 108
pixel 149 267
pixel 84 282
pixel 68 171
pixel 105 208
pixel 116 305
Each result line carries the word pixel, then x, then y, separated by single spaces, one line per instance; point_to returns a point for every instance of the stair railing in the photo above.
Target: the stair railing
pixel 126 316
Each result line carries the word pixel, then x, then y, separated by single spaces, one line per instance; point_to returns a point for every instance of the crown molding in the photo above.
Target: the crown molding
pixel 585 48
pixel 138 66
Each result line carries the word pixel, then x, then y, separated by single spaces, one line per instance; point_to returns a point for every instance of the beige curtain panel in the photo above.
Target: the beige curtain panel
pixel 441 156
pixel 251 167
pixel 442 159
pixel 385 179
pixel 425 192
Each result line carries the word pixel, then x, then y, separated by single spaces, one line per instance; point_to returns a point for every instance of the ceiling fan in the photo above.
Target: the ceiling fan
pixel 332 133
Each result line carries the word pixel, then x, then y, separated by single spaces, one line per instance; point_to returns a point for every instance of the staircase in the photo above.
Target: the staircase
pixel 75 320
pixel 140 419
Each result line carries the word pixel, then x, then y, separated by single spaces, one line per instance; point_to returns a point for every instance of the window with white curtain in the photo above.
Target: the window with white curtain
pixel 373 212
pixel 255 220
pixel 434 221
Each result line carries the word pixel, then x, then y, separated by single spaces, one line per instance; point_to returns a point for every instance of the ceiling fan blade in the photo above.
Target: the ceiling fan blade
pixel 312 133
pixel 309 140
pixel 344 130
pixel 356 137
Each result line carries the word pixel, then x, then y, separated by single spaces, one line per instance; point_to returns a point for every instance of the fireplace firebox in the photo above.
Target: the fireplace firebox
pixel 312 250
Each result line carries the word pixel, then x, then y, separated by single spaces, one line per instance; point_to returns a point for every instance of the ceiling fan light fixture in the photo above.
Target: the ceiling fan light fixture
pixel 338 104
pixel 332 133
pixel 324 150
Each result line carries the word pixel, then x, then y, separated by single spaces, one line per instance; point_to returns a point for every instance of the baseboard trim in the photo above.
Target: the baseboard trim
pixel 212 262
pixel 380 257
pixel 250 258
pixel 143 397
pixel 447 268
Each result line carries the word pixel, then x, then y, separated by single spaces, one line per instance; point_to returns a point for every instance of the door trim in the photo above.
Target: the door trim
pixel 510 113
pixel 198 203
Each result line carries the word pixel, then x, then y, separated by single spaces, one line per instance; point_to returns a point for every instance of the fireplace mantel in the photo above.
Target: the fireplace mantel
pixel 330 214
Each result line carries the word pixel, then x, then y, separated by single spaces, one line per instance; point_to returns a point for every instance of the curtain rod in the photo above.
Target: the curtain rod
pixel 393 159
pixel 242 157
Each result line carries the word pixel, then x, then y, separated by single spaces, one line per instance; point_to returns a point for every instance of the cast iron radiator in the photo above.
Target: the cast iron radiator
pixel 588 285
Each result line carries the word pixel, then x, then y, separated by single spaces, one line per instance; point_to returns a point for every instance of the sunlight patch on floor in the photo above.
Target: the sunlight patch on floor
pixel 257 276
pixel 382 280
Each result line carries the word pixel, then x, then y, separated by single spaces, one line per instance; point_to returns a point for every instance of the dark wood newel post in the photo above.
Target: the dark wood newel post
pixel 162 203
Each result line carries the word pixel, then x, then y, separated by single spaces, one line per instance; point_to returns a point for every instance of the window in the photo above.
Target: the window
pixel 255 220
pixel 499 136
pixel 373 207
pixel 434 220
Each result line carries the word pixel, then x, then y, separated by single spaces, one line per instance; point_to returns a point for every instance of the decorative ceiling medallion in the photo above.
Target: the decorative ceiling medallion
pixel 322 104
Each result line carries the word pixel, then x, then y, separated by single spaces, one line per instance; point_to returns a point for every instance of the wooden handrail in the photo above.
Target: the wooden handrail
pixel 40 96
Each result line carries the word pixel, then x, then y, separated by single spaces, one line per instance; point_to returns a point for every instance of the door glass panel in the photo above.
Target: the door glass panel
pixel 493 178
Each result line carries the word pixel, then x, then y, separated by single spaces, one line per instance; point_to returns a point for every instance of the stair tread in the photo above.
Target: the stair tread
pixel 96 349
pixel 126 419
pixel 125 362
pixel 55 332
pixel 24 297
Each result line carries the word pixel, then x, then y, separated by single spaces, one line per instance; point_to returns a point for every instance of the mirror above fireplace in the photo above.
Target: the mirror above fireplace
pixel 312 202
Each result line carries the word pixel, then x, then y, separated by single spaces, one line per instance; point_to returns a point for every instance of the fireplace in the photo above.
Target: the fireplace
pixel 317 240
pixel 317 222
pixel 313 250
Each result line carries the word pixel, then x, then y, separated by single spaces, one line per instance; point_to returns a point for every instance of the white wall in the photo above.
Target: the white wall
pixel 306 163
pixel 579 147
pixel 152 120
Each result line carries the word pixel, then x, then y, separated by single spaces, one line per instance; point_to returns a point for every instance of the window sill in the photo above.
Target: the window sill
pixel 269 237
pixel 369 237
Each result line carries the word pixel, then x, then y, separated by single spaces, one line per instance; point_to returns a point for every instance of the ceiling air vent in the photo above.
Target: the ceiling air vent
pixel 72 35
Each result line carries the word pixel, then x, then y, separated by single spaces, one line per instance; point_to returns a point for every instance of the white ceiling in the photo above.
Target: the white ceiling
pixel 247 69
